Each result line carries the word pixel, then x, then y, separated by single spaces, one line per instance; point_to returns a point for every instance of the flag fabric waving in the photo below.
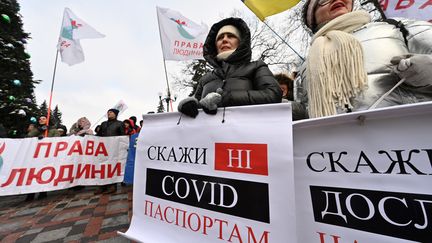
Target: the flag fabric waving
pixel 181 38
pixel 264 8
pixel 73 29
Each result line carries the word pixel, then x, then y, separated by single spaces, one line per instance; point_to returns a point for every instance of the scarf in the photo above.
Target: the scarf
pixel 224 55
pixel 335 65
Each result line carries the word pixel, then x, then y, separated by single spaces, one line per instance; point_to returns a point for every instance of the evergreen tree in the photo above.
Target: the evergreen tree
pixel 43 109
pixel 17 99
pixel 160 108
pixel 57 116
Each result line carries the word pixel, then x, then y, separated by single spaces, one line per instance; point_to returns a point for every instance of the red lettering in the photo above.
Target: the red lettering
pixel 12 175
pixel 117 169
pixel 86 169
pixel 76 148
pixel 158 212
pixel 69 178
pixel 101 149
pixel 89 148
pixel 101 171
pixel 165 215
pixel 39 177
pixel 401 5
pixel 237 234
pixel 60 146
pixel 38 147
pixel 384 4
pixel 428 3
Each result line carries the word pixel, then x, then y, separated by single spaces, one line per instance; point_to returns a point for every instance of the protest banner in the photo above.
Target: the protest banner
pixel 216 178
pixel 365 176
pixel 32 165
pixel 412 9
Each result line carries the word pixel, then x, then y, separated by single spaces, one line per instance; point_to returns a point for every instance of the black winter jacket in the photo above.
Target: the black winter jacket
pixel 243 82
pixel 111 128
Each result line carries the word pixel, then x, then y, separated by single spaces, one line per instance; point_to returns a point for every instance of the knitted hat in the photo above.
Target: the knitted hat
pixel 116 112
pixel 309 14
pixel 228 29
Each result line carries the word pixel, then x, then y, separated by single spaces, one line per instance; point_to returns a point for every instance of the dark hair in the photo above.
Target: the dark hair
pixel 284 79
pixel 133 118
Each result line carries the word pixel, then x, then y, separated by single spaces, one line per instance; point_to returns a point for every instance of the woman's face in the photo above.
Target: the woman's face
pixel 330 9
pixel 226 42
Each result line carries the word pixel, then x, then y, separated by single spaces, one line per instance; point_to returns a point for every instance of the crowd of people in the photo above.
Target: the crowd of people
pixel 353 64
pixel 111 127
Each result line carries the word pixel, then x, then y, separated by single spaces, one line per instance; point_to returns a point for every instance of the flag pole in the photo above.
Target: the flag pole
pixel 168 98
pixel 51 94
pixel 283 40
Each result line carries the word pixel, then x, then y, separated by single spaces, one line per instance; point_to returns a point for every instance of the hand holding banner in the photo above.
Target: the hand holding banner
pixel 230 181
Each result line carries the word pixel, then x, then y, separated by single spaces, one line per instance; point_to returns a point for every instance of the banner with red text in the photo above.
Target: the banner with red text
pixel 411 9
pixel 181 38
pixel 216 178
pixel 365 176
pixel 33 165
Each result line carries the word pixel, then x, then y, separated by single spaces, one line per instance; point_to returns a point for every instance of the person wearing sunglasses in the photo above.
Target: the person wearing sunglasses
pixel 355 64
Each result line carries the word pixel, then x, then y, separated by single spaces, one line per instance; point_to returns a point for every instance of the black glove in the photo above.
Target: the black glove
pixel 189 107
pixel 40 137
pixel 210 102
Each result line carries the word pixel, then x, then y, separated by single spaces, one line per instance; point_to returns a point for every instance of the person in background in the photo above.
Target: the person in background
pixel 111 127
pixel 129 127
pixel 62 130
pixel 136 127
pixel 81 127
pixel 235 80
pixel 39 131
pixel 354 64
pixel 286 85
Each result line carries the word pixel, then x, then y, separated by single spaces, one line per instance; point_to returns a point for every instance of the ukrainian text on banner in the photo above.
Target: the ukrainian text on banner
pixel 208 181
pixel 365 177
pixel 412 9
pixel 32 165
pixel 181 38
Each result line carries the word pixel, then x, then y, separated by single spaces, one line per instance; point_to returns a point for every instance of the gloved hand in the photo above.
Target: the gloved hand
pixel 210 102
pixel 416 69
pixel 189 107
pixel 40 137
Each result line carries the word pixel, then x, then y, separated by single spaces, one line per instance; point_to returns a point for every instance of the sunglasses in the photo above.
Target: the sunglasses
pixel 323 2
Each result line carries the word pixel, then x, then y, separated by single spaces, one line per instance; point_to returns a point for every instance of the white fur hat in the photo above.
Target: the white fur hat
pixel 228 29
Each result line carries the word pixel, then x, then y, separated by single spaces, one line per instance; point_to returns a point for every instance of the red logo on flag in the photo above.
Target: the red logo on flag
pixel 241 157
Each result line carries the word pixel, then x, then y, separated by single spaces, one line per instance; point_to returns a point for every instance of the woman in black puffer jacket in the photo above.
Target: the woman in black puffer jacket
pixel 235 80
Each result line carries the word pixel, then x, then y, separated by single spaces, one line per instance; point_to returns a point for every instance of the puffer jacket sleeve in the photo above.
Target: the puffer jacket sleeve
pixel 199 89
pixel 419 37
pixel 265 89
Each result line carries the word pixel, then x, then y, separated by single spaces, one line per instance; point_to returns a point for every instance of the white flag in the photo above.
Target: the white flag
pixel 73 29
pixel 181 38
pixel 120 106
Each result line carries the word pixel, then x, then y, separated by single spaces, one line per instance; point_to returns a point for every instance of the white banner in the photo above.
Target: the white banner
pixel 365 177
pixel 412 9
pixel 181 38
pixel 217 178
pixel 32 165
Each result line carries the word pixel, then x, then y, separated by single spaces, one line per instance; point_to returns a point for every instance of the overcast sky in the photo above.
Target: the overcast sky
pixel 125 65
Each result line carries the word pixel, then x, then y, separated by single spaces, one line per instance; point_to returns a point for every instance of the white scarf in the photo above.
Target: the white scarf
pixel 335 65
pixel 224 55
